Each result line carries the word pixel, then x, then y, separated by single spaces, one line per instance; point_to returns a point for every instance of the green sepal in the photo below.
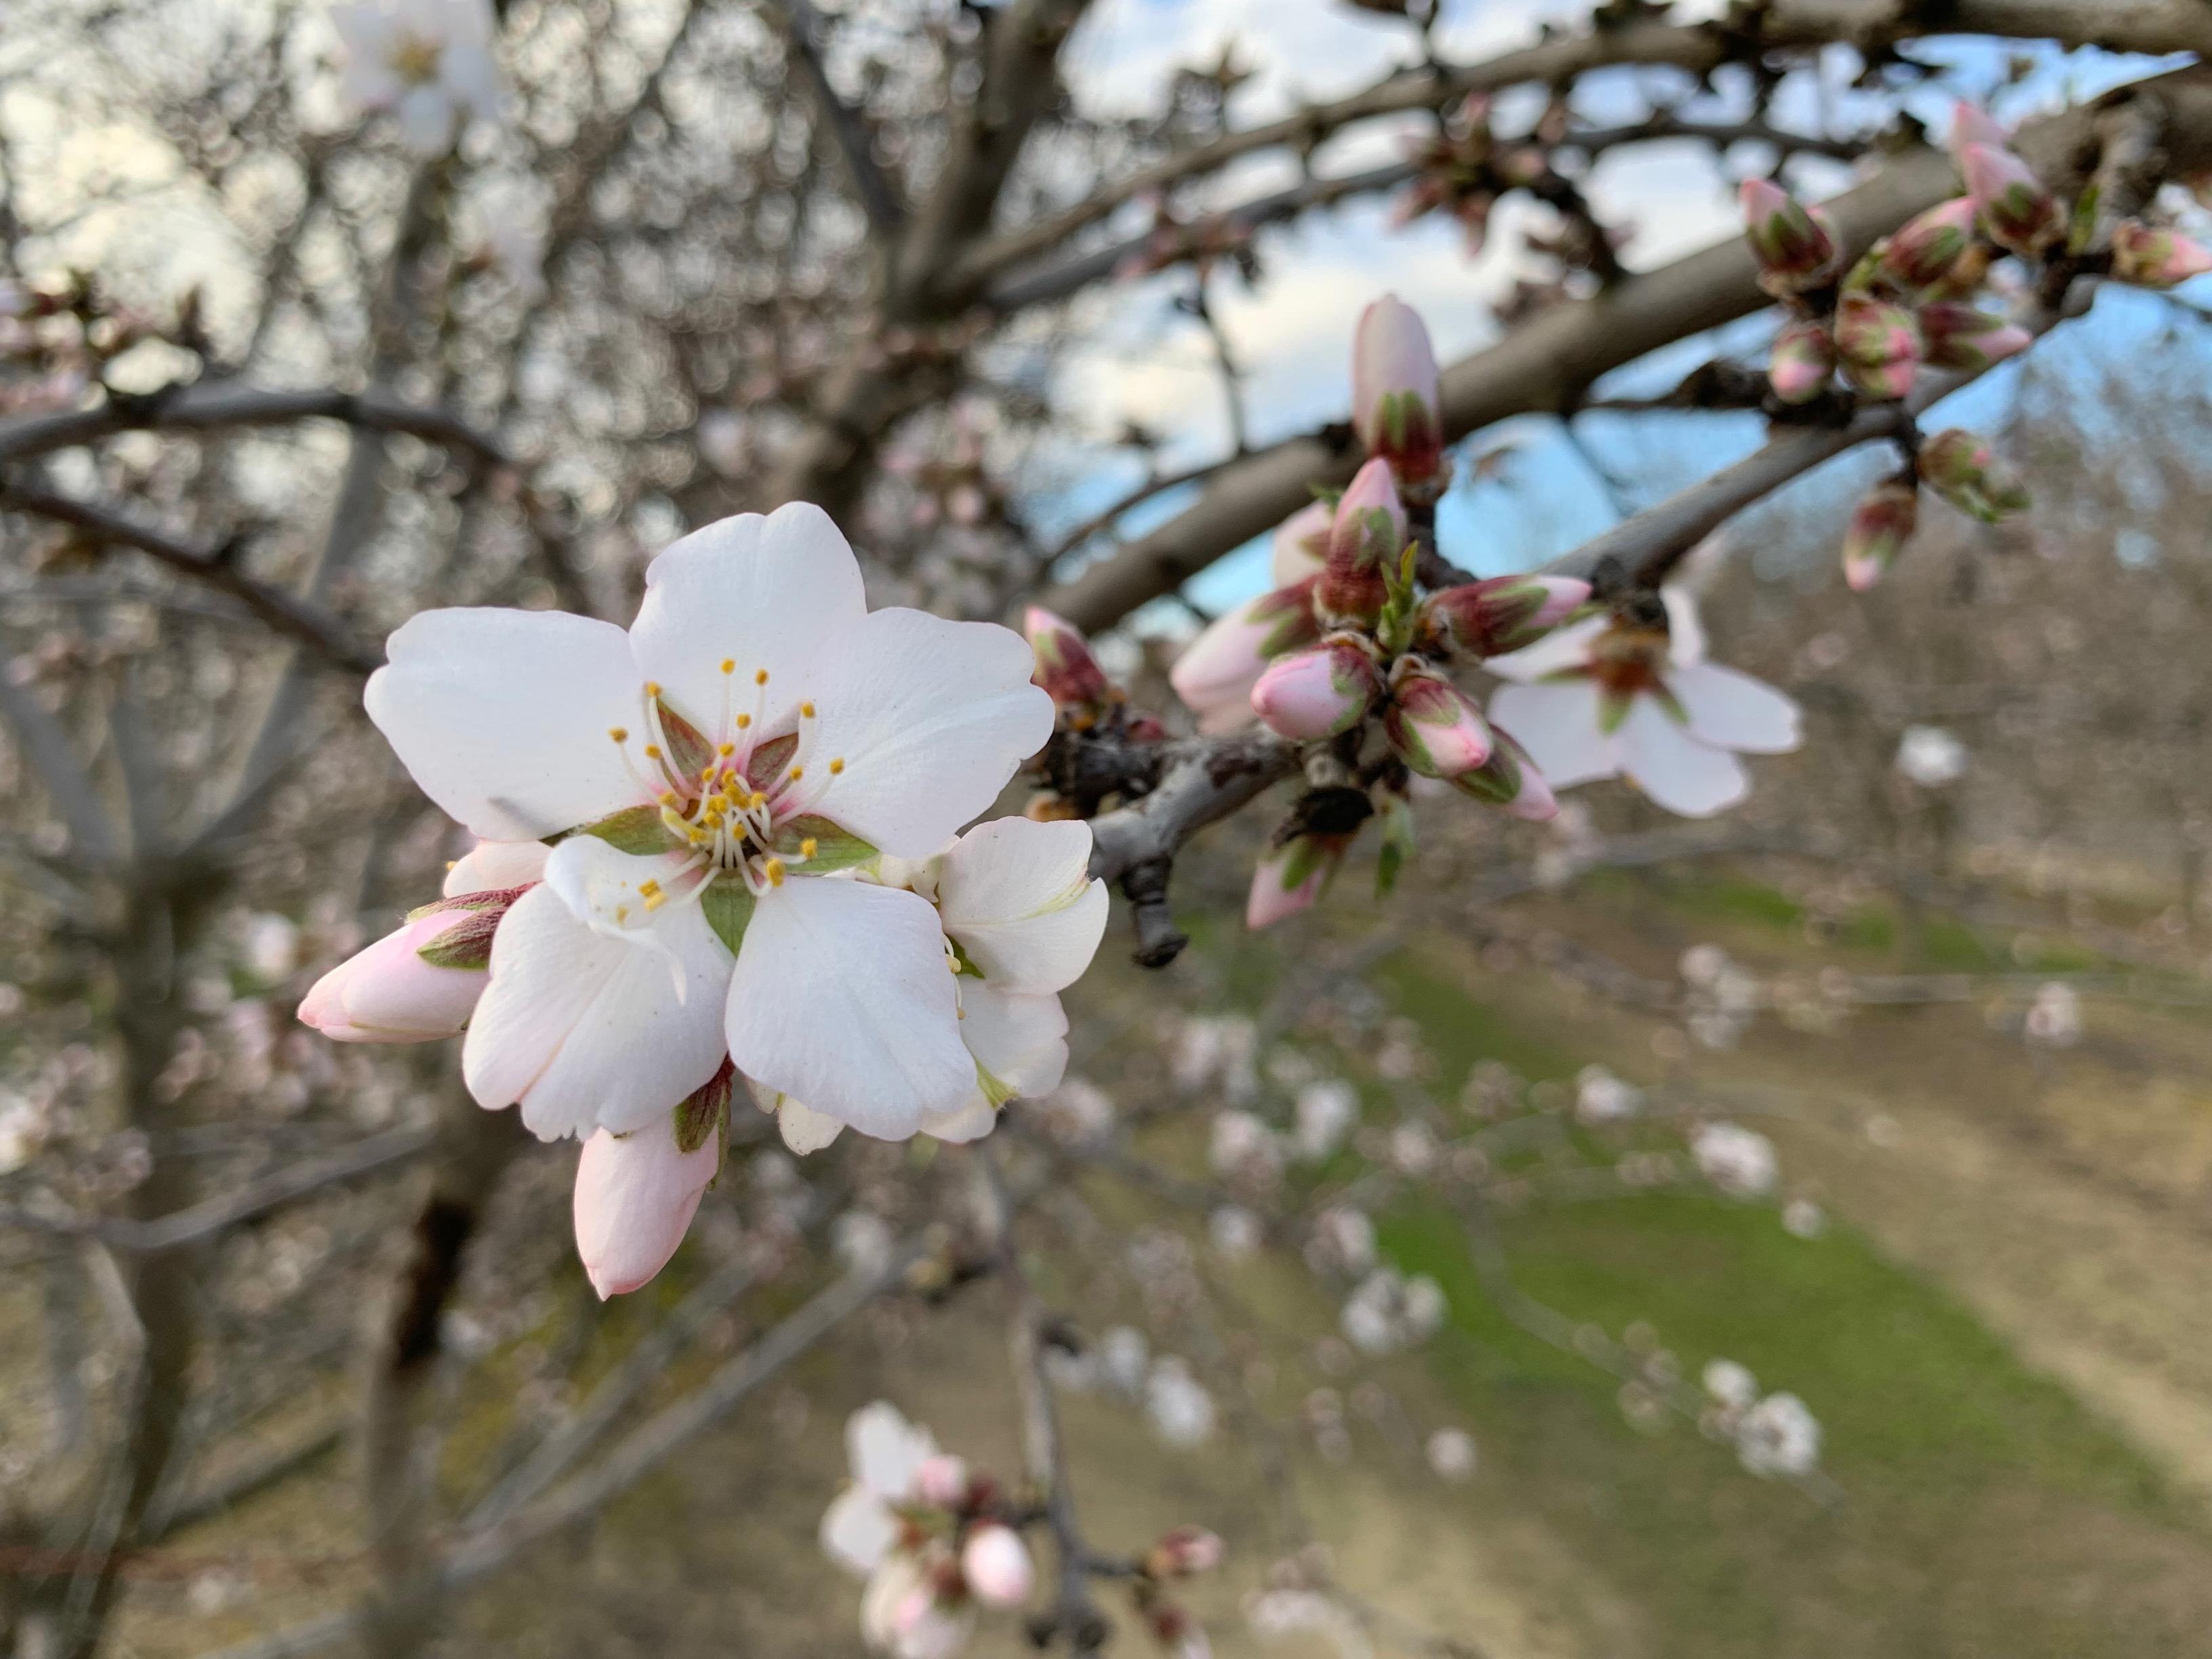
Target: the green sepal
pixel 968 970
pixel 768 760
pixel 834 847
pixel 490 898
pixel 689 751
pixel 467 944
pixel 1303 857
pixel 1612 709
pixel 637 830
pixel 728 904
pixel 996 1092
pixel 2081 231
pixel 706 1110
pixel 1397 844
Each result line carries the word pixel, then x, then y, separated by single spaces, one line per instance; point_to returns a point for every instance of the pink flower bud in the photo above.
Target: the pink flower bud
pixel 1964 337
pixel 1369 532
pixel 2151 256
pixel 1972 125
pixel 1185 1550
pixel 1878 344
pixel 1804 358
pixel 1431 724
pixel 996 1565
pixel 390 993
pixel 1490 619
pixel 1881 524
pixel 1509 779
pixel 1216 673
pixel 1795 250
pixel 1065 667
pixel 1318 693
pixel 2022 217
pixel 490 865
pixel 1301 543
pixel 1286 881
pixel 635 1196
pixel 1397 406
pixel 1929 247
pixel 942 1482
pixel 1966 471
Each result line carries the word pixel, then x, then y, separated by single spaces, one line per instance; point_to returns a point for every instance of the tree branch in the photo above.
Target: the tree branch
pixel 878 196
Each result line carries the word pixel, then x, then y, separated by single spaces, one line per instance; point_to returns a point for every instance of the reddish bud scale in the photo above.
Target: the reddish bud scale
pixel 1878 344
pixel 1803 360
pixel 1065 667
pixel 1795 245
pixel 1508 780
pixel 1881 524
pixel 1966 471
pixel 1365 541
pixel 2151 257
pixel 2021 216
pixel 1964 336
pixel 1490 619
pixel 1929 248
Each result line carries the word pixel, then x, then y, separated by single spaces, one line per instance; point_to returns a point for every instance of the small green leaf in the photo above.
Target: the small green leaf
pixel 1397 844
pixel 835 847
pixel 689 751
pixel 2083 230
pixel 968 968
pixel 728 906
pixel 705 1110
pixel 996 1092
pixel 635 830
pixel 467 944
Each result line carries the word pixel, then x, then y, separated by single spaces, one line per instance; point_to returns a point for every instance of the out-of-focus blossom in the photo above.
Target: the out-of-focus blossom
pixel 1342 1241
pixel 1237 1232
pixel 1779 1436
pixel 996 1565
pixel 1972 125
pixel 1602 1098
pixel 428 62
pixel 2152 256
pixel 1737 1160
pixel 1930 757
pixel 1802 1219
pixel 1389 1311
pixel 1124 1358
pixel 1802 360
pixel 1731 1385
pixel 1795 245
pixel 1184 1552
pixel 1929 247
pixel 2021 214
pixel 2054 1019
pixel 1602 698
pixel 885 1454
pixel 1879 345
pixel 1176 1404
pixel 1244 1148
pixel 1881 524
pixel 1966 471
pixel 1451 1454
pixel 1326 1110
pixel 904 1612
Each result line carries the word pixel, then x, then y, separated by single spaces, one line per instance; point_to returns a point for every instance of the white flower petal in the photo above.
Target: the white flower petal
pixel 842 999
pixel 859 1529
pixel 1558 651
pixel 1557 724
pixel 1673 767
pixel 930 719
pixel 758 592
pixel 587 1031
pixel 803 1129
pixel 973 1119
pixel 1732 710
pixel 884 1451
pixel 1021 1039
pixel 491 866
pixel 501 716
pixel 1017 895
pixel 425 119
pixel 1686 634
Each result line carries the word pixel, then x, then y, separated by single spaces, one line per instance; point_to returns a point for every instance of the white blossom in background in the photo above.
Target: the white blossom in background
pixel 1342 1241
pixel 1241 1147
pixel 428 63
pixel 1732 1386
pixel 1739 1161
pixel 1930 757
pixel 24 1128
pixel 1389 1311
pixel 2054 1019
pixel 861 1241
pixel 1326 1110
pixel 1451 1454
pixel 1602 1098
pixel 1779 1436
pixel 1216 1051
pixel 273 946
pixel 1604 698
pixel 1124 1356
pixel 1176 1404
pixel 1291 1610
pixel 1802 1219
pixel 1237 1232
pixel 1076 1112
pixel 1412 1149
pixel 513 246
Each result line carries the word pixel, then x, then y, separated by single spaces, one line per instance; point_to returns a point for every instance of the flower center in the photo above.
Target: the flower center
pixel 732 795
pixel 415 59
pixel 1625 660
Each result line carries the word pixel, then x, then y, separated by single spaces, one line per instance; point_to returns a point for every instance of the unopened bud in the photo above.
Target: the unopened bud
pixel 1287 879
pixel 1215 674
pixel 1972 125
pixel 1431 724
pixel 1878 345
pixel 1966 471
pixel 1397 406
pixel 1504 613
pixel 1964 337
pixel 1185 1550
pixel 1508 780
pixel 996 1565
pixel 941 1482
pixel 2149 256
pixel 1365 542
pixel 1881 524
pixel 1796 249
pixel 2022 217
pixel 1929 248
pixel 1804 358
pixel 1318 693
pixel 1065 666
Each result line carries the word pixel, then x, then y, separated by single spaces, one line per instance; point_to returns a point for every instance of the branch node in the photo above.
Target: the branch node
pixel 1159 941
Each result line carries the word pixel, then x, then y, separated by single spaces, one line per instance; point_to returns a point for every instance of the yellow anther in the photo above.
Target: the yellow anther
pixel 648 887
pixel 653 688
pixel 656 901
pixel 695 838
pixel 666 798
pixel 452 863
pixel 619 733
pixel 717 803
pixel 809 847
pixel 652 751
pixel 773 871
pixel 621 915
pixel 760 676
pixel 744 720
pixel 960 1013
pixel 726 750
pixel 729 665
pixel 797 773
pixel 836 766
pixel 758 800
pixel 807 710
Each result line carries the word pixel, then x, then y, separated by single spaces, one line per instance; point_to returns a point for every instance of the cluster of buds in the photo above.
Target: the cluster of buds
pixel 1182 1553
pixel 1101 746
pixel 1464 169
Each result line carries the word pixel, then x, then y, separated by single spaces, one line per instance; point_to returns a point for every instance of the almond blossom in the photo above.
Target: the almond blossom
pixel 756 731
pixel 428 62
pixel 1609 697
